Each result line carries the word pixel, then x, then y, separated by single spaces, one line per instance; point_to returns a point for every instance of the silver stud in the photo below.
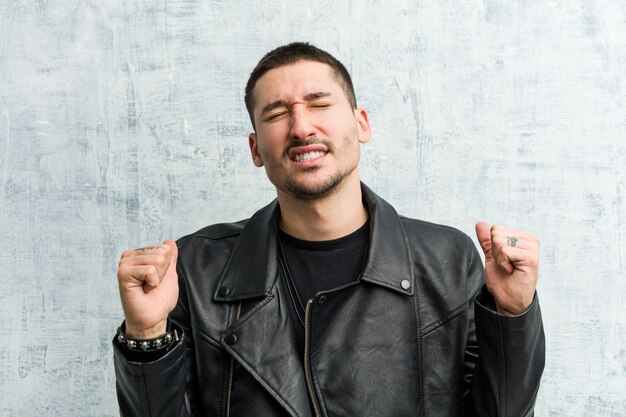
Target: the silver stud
pixel 405 284
pixel 121 339
pixel 158 343
pixel 168 338
pixel 145 345
pixel 130 343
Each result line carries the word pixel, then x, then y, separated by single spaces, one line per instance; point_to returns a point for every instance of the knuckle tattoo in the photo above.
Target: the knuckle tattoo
pixel 147 248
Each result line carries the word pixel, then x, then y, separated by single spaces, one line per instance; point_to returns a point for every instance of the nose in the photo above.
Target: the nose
pixel 302 126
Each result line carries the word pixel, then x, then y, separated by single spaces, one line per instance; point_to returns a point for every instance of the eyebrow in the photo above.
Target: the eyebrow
pixel 282 103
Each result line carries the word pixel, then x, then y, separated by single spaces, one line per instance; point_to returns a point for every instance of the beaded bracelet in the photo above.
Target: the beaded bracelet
pixel 147 345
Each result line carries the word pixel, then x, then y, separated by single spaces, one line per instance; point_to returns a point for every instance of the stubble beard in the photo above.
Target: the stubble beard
pixel 312 192
pixel 323 189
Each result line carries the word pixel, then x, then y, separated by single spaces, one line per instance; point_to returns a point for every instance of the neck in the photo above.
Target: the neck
pixel 331 217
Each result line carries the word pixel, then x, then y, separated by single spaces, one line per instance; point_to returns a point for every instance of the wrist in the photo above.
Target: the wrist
pixel 145 333
pixel 153 344
pixel 512 312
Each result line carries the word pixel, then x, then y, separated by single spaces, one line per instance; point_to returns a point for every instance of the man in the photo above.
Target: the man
pixel 326 302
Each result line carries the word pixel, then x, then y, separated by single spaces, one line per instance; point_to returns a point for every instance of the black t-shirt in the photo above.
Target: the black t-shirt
pixel 311 267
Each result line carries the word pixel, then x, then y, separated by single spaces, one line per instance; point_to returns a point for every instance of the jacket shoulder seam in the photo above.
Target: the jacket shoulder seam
pixel 216 231
pixel 425 223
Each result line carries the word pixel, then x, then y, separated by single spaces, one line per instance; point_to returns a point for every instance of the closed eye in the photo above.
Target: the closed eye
pixel 275 116
pixel 319 105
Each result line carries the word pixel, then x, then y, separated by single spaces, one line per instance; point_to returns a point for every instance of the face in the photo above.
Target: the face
pixel 307 133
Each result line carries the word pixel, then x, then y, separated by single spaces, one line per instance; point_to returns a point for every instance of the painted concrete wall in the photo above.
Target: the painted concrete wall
pixel 122 123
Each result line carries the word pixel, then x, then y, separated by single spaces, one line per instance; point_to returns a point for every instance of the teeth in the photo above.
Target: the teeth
pixel 309 155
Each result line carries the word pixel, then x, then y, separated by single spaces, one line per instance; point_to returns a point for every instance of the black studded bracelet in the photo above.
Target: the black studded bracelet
pixel 147 345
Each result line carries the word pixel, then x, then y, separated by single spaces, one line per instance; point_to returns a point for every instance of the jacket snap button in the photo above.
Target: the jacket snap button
pixel 405 284
pixel 231 339
pixel 223 291
pixel 321 300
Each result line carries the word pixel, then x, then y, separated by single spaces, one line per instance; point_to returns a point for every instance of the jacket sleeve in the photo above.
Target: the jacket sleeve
pixel 165 387
pixel 504 357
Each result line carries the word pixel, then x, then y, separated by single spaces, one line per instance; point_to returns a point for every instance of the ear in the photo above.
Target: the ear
pixel 254 150
pixel 362 120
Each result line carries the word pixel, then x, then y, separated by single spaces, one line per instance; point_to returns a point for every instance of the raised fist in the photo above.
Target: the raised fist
pixel 148 285
pixel 511 266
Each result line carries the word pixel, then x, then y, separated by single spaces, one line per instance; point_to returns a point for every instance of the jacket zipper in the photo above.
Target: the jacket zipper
pixel 229 390
pixel 307 364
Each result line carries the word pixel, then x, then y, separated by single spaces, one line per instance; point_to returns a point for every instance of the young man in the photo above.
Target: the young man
pixel 326 302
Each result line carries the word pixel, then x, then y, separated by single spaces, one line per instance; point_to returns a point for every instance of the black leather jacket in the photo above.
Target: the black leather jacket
pixel 416 336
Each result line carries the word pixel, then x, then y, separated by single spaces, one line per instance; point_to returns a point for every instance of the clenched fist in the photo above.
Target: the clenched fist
pixel 148 285
pixel 511 265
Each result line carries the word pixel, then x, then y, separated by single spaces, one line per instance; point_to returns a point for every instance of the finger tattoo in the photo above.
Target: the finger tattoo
pixel 147 248
pixel 511 241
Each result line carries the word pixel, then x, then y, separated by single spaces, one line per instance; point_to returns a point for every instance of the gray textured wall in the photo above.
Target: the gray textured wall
pixel 122 123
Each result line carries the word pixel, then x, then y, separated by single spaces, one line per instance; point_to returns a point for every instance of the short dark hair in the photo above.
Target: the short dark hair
pixel 293 53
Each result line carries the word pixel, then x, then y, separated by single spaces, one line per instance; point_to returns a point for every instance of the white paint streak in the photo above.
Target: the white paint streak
pixel 8 146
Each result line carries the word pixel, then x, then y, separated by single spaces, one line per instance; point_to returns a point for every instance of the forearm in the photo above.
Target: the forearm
pixel 511 358
pixel 152 388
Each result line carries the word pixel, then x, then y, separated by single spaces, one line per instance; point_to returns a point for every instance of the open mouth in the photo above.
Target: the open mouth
pixel 307 153
pixel 307 156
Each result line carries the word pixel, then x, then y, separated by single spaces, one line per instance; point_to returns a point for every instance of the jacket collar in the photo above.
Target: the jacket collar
pixel 252 268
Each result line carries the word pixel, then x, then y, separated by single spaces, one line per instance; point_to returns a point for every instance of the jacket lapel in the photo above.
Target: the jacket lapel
pixel 389 258
pixel 252 268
